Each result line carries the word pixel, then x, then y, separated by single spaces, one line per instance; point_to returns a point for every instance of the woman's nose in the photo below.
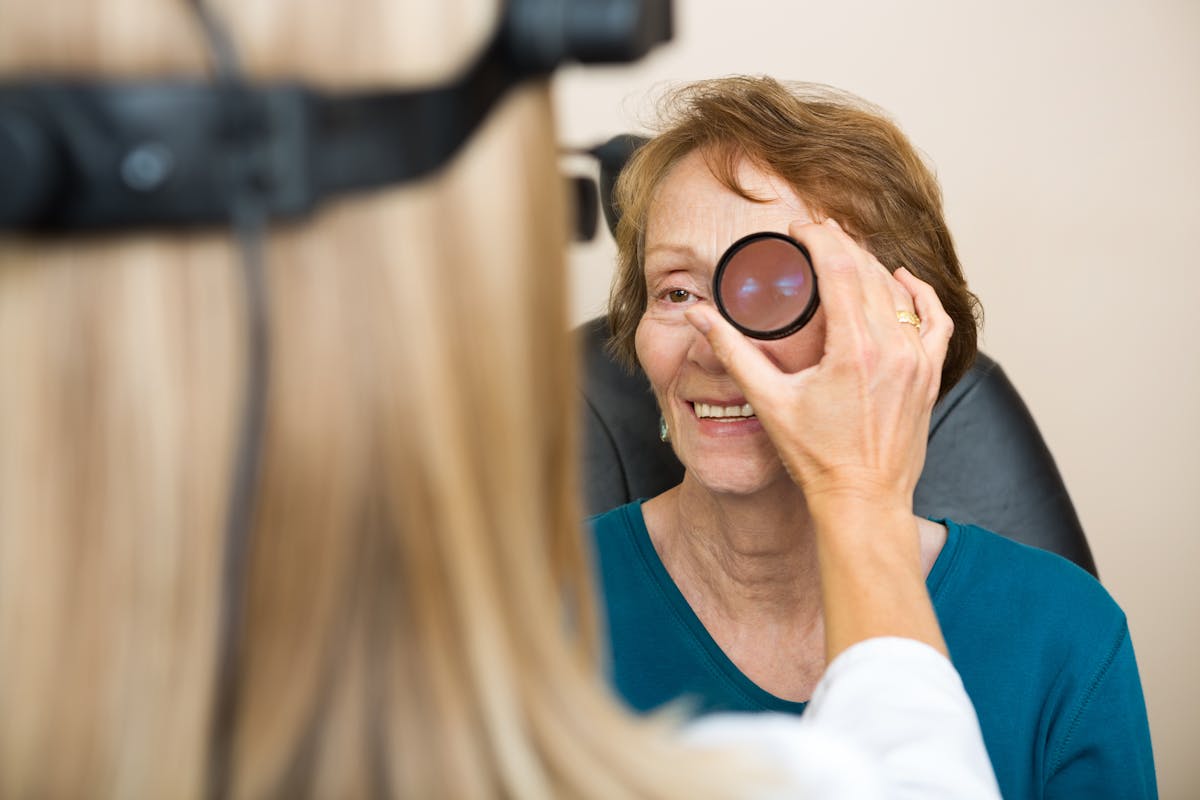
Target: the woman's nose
pixel 701 354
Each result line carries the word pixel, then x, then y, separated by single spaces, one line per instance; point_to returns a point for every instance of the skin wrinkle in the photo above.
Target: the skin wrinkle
pixel 742 564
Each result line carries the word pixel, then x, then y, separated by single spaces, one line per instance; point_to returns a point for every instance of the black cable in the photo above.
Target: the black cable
pixel 220 46
pixel 248 215
pixel 240 516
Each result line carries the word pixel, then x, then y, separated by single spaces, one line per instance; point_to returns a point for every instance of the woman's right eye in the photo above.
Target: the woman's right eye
pixel 674 293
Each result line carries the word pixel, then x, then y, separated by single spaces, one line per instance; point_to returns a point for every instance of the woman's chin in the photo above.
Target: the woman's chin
pixel 740 474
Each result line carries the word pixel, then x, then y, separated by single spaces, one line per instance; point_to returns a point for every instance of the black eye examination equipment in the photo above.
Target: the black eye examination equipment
pixel 83 154
pixel 765 286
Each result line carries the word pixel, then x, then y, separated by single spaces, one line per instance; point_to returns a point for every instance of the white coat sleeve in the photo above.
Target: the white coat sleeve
pixel 889 719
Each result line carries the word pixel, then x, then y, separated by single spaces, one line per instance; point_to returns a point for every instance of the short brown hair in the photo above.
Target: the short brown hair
pixel 840 154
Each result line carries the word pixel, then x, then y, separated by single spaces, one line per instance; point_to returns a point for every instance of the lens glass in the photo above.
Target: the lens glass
pixel 765 284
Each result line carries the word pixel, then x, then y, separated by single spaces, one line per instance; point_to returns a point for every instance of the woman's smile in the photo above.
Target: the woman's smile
pixel 724 418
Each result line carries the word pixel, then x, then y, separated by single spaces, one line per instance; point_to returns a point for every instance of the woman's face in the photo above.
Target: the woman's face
pixel 693 218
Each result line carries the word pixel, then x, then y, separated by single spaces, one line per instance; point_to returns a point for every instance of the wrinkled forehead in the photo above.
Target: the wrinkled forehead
pixel 693 209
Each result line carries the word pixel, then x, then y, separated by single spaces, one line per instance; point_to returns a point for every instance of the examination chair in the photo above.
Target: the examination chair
pixel 987 464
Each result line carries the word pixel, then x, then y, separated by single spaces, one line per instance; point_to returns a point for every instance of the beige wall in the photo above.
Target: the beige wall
pixel 1067 138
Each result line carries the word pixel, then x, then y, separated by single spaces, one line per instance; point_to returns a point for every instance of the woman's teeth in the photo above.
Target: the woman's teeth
pixel 705 411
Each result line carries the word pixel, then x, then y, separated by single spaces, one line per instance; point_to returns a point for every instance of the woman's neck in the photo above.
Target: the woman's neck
pixel 742 557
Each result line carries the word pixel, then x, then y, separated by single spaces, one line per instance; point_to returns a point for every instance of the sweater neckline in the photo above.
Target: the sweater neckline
pixel 718 660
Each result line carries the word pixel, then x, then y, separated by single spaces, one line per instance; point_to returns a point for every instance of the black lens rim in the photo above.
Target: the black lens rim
pixel 778 333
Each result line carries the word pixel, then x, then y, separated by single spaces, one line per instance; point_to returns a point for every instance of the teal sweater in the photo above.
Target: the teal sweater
pixel 1043 650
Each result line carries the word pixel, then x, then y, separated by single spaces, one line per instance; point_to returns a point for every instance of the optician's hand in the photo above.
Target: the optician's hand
pixel 855 425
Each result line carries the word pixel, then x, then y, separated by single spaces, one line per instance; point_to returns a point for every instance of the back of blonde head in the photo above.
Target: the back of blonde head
pixel 415 555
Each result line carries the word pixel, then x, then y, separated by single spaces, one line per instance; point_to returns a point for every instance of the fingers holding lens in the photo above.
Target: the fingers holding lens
pixel 887 297
pixel 839 268
pixel 891 315
pixel 857 289
pixel 872 315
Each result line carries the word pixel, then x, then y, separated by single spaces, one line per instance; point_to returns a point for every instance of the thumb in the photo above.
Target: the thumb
pixel 748 365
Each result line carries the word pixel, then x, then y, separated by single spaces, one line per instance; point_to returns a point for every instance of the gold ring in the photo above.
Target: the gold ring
pixel 908 318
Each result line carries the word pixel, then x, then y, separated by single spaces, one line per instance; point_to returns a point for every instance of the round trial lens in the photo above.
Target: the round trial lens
pixel 765 285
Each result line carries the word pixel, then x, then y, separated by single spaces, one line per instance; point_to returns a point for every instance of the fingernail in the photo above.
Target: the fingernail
pixel 834 223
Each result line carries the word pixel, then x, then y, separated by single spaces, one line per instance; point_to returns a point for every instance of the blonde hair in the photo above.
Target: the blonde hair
pixel 840 154
pixel 415 554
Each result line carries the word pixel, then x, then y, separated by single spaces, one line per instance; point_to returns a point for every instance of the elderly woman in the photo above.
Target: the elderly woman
pixel 712 588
